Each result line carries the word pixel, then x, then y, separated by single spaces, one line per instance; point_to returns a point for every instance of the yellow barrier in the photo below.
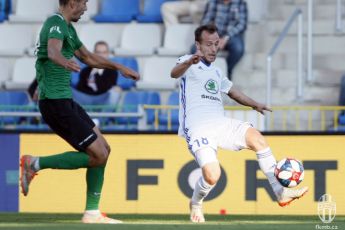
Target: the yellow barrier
pixel 152 173
pixel 302 118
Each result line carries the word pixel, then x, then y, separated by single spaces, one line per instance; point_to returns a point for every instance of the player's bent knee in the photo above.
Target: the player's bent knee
pixel 100 159
pixel 211 173
pixel 255 140
pixel 212 179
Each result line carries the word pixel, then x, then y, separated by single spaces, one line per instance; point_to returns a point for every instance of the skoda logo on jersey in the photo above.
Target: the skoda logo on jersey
pixel 211 86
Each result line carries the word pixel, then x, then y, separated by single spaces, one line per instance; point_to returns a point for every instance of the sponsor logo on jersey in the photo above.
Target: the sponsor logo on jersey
pixel 55 28
pixel 211 86
pixel 210 97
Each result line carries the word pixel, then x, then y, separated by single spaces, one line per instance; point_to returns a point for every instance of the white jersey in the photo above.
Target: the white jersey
pixel 200 95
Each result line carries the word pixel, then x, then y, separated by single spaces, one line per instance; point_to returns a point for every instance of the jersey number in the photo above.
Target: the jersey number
pixel 202 141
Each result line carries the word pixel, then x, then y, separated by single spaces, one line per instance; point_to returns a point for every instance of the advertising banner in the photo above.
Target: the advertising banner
pixel 156 174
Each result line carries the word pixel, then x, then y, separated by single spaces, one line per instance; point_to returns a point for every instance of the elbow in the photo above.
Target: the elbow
pixel 174 75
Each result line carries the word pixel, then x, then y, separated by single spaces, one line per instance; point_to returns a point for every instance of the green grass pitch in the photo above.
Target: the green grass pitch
pixel 39 221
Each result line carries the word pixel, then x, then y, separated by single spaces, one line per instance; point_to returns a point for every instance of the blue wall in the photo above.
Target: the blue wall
pixel 9 164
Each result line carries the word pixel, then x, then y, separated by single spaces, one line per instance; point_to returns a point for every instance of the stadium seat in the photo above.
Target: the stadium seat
pixel 153 99
pixel 139 39
pixel 92 10
pixel 151 11
pixel 92 33
pixel 174 113
pixel 117 11
pixel 12 98
pixel 130 62
pixel 5 9
pixel 341 119
pixel 157 78
pixel 15 39
pixel 33 10
pixel 178 40
pixel 23 74
pixel 130 104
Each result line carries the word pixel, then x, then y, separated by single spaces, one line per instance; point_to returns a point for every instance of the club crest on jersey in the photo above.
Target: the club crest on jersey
pixel 211 86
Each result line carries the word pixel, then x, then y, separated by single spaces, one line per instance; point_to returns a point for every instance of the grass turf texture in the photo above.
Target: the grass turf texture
pixel 30 221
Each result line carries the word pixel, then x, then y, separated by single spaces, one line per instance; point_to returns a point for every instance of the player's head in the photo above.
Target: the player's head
pixel 76 8
pixel 207 41
pixel 102 49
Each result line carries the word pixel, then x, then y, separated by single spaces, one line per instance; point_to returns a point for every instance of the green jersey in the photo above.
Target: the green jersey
pixel 53 79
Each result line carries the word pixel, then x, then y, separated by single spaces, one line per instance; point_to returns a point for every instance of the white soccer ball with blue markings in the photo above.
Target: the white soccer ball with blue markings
pixel 289 172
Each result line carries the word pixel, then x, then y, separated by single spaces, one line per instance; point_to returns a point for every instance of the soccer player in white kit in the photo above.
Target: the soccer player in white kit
pixel 205 127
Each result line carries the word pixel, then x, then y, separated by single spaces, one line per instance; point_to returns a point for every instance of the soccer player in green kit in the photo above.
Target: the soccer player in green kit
pixel 58 43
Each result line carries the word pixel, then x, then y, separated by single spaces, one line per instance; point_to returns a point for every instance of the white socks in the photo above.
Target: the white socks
pixel 267 164
pixel 92 212
pixel 201 190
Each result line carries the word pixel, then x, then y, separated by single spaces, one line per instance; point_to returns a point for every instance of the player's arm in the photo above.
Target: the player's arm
pixel 99 62
pixel 247 101
pixel 54 54
pixel 181 68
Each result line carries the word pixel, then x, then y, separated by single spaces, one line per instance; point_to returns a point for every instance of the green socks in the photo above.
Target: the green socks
pixel 67 160
pixel 76 160
pixel 94 180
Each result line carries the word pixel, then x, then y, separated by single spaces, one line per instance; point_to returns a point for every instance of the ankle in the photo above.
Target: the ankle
pixel 92 212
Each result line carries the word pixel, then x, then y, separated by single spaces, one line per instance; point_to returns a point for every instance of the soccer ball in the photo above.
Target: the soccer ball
pixel 289 172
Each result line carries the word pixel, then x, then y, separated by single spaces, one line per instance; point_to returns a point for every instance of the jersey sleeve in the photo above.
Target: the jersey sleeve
pixel 56 30
pixel 226 84
pixel 183 59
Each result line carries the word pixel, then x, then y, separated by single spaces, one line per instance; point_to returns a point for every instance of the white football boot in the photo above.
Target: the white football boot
pixel 99 218
pixel 288 195
pixel 196 214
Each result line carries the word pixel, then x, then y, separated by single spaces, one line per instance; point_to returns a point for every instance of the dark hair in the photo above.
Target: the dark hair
pixel 63 2
pixel 101 43
pixel 209 28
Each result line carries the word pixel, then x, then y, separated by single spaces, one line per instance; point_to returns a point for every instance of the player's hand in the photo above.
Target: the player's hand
pixel 130 74
pixel 195 58
pixel 222 43
pixel 261 108
pixel 72 66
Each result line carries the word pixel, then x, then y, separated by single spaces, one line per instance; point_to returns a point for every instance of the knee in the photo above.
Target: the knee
pixel 107 147
pixel 212 177
pixel 101 158
pixel 255 140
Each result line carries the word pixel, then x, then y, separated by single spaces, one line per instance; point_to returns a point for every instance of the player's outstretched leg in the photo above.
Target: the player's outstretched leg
pixel 30 165
pixel 267 162
pixel 209 164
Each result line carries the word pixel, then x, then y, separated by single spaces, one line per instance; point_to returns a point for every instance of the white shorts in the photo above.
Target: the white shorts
pixel 225 133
